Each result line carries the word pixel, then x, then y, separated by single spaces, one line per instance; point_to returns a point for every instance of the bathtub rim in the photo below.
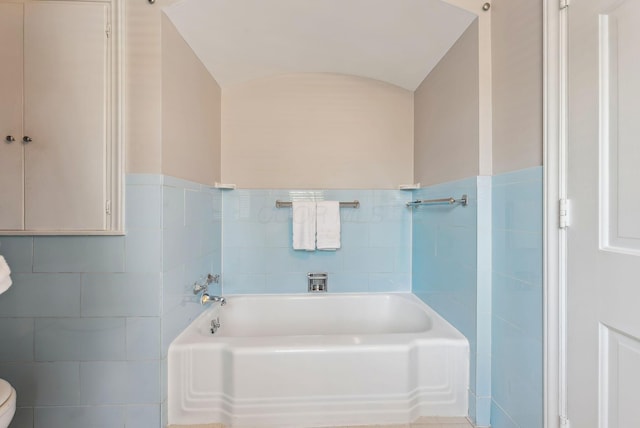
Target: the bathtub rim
pixel 441 330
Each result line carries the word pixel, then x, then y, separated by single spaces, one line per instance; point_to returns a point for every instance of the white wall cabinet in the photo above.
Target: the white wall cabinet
pixel 60 163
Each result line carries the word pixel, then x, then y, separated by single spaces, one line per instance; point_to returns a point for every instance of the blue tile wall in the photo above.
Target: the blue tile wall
pixel 45 295
pixel 191 248
pixel 81 254
pixel 87 323
pixel 375 255
pixel 494 297
pixel 19 332
pixel 482 364
pixel 517 322
pixel 451 275
pixel 191 230
pixel 80 417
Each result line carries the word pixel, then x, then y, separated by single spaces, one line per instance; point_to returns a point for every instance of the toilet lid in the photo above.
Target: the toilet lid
pixel 5 391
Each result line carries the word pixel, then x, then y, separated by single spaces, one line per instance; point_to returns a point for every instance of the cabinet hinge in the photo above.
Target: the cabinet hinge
pixel 108 207
pixel 564 213
pixel 564 4
pixel 108 30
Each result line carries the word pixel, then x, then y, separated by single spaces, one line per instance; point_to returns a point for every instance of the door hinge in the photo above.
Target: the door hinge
pixel 108 30
pixel 564 422
pixel 108 207
pixel 564 213
pixel 564 4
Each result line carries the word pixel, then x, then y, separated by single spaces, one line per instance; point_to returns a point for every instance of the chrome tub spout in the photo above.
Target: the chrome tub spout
pixel 206 298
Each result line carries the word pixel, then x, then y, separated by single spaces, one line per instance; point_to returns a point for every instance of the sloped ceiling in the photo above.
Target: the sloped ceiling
pixel 396 41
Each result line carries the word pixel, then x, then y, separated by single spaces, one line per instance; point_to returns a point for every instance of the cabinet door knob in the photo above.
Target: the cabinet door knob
pixel 9 139
pixel 26 139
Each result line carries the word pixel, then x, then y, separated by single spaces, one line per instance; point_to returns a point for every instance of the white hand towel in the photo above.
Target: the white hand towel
pixel 328 225
pixel 5 275
pixel 304 225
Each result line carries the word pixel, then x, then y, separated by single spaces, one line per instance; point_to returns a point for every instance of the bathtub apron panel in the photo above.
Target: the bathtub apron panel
pixel 253 375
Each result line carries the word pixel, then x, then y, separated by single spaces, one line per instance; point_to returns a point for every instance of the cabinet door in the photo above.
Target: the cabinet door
pixel 66 115
pixel 11 184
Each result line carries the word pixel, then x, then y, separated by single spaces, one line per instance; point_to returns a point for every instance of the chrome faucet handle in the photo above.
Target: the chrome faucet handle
pixel 204 286
pixel 197 287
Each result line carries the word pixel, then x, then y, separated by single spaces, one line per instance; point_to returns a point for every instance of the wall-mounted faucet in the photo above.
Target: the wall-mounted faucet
pixel 206 298
pixel 203 288
pixel 317 282
pixel 215 325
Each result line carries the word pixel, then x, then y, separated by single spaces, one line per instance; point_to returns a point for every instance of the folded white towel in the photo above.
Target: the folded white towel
pixel 304 225
pixel 328 225
pixel 5 275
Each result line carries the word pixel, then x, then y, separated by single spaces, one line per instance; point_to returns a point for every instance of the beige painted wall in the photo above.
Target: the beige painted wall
pixel 190 112
pixel 314 130
pixel 517 84
pixel 143 73
pixel 146 61
pixel 446 116
pixel 517 106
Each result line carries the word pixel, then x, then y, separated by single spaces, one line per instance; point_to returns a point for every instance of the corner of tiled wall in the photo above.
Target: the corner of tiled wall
pixel 482 392
pixel 498 306
pixel 517 323
pixel 445 268
pixel 191 249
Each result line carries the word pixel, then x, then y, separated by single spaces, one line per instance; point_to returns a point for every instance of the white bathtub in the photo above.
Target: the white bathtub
pixel 318 360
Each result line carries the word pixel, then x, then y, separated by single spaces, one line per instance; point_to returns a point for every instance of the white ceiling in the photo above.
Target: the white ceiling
pixel 396 41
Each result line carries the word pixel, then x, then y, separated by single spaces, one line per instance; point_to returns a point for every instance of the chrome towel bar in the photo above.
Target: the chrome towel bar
pixel 353 204
pixel 462 201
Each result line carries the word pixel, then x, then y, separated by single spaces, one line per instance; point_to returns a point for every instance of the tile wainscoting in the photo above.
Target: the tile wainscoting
pixel 86 326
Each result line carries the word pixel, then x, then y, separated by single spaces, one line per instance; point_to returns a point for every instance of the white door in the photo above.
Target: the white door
pixel 66 115
pixel 11 155
pixel 604 235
